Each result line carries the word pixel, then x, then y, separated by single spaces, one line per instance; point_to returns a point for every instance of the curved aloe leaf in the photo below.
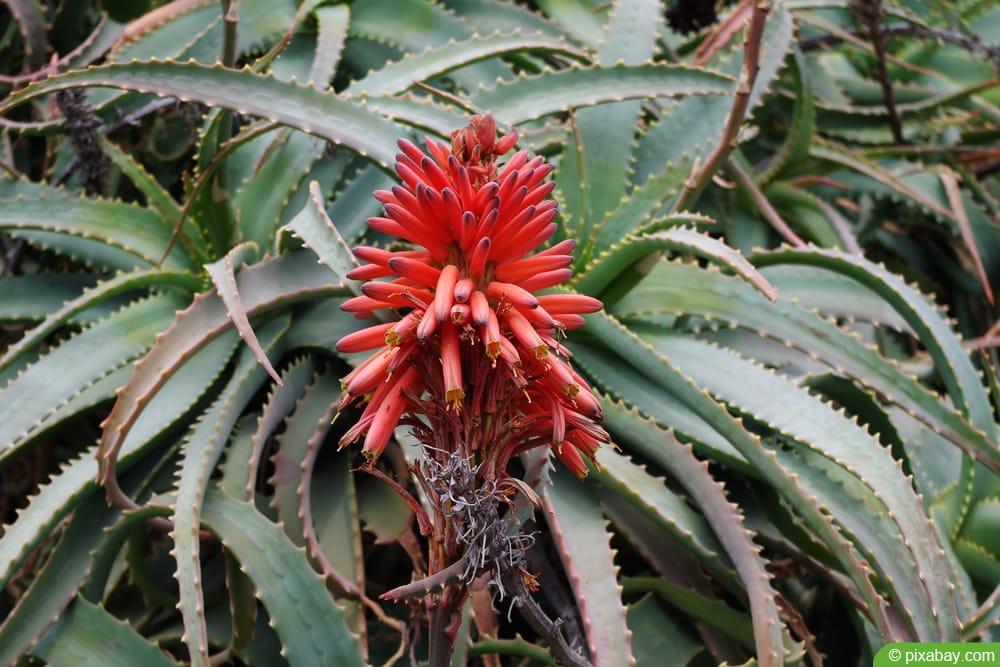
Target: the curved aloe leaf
pixel 324 114
pixel 304 430
pixel 315 228
pixel 77 478
pixel 951 361
pixel 280 281
pixel 678 288
pixel 414 25
pixel 609 266
pixel 156 195
pixel 138 233
pixel 289 160
pixel 530 97
pixel 34 297
pixel 634 351
pixel 910 572
pixel 28 401
pixel 628 482
pixel 120 284
pixel 439 60
pixel 243 457
pixel 203 447
pixel 583 541
pixel 223 275
pixel 725 520
pixel 56 584
pixel 304 615
pixel 833 294
pixel 331 35
pixel 596 174
pixel 795 148
pixel 89 636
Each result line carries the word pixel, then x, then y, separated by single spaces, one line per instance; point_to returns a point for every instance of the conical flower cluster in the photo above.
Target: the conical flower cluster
pixel 470 356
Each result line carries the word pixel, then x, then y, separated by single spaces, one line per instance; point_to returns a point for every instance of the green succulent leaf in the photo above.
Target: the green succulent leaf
pixel 204 446
pixel 90 636
pixel 532 97
pixel 588 558
pixel 136 237
pixel 326 115
pixel 301 610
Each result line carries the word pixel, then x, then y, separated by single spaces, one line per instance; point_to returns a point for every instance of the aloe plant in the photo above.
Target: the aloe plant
pixel 788 214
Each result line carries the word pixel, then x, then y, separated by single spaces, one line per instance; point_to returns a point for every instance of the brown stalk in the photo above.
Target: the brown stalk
pixel 704 172
pixel 870 13
pixel 746 183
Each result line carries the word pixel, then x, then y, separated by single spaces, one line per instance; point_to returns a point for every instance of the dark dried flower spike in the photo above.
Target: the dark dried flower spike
pixel 81 129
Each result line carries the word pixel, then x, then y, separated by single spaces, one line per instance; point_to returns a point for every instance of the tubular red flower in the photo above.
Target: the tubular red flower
pixel 477 265
pixel 402 330
pixel 364 305
pixel 491 334
pixel 451 367
pixel 427 326
pixel 420 272
pixel 570 456
pixel 366 377
pixel 369 272
pixel 460 313
pixel 559 304
pixel 529 266
pixel 512 293
pixel 480 308
pixel 444 293
pixel 464 289
pixel 388 412
pixel 365 339
pixel 525 333
pixel 397 295
pixel 546 279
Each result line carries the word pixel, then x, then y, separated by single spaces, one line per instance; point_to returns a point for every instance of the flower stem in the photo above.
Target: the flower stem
pixel 440 642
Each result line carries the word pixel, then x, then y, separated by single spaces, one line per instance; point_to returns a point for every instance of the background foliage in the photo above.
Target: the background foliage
pixel 797 356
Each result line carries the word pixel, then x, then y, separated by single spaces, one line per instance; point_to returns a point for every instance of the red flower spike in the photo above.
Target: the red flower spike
pixel 474 356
